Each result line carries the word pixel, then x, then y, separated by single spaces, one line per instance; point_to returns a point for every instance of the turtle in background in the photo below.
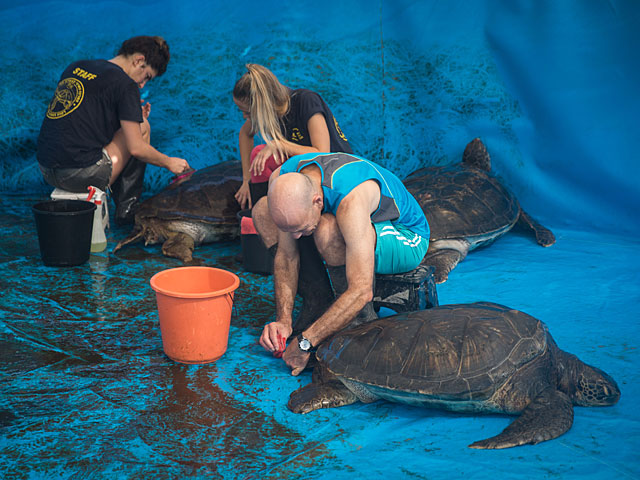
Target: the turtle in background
pixel 479 357
pixel 200 208
pixel 467 207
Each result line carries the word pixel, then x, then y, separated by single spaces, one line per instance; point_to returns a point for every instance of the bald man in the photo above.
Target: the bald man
pixel 362 220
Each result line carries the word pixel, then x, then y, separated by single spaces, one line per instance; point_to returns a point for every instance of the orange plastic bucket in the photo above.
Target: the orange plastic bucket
pixel 194 308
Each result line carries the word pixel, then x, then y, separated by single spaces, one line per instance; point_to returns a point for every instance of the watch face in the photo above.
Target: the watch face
pixel 304 344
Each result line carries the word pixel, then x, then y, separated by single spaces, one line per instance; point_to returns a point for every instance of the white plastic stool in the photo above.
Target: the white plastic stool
pixel 100 216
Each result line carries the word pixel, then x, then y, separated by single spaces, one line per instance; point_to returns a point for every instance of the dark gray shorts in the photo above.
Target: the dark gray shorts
pixel 78 179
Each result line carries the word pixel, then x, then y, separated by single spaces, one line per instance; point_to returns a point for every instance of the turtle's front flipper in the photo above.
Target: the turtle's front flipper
pixel 544 236
pixel 320 395
pixel 548 416
pixel 179 245
pixel 443 261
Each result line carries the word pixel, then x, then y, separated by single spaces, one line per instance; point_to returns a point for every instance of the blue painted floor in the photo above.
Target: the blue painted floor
pixel 87 392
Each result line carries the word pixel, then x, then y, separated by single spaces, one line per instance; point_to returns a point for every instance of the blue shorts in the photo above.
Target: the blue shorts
pixel 78 179
pixel 398 249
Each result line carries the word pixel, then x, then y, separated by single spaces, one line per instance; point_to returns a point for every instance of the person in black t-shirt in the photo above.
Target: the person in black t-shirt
pixel 291 122
pixel 95 125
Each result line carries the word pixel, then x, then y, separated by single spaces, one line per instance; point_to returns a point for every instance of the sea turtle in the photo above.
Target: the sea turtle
pixel 196 210
pixel 467 207
pixel 479 357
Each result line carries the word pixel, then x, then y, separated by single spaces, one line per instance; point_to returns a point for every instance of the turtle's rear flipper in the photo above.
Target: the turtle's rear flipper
pixel 179 245
pixel 548 416
pixel 544 236
pixel 134 236
pixel 315 396
pixel 476 155
pixel 443 261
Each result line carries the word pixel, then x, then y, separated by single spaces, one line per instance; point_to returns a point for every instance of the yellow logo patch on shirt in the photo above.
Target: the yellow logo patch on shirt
pixel 68 97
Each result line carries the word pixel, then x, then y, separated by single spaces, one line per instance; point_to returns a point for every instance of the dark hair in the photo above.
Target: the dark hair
pixel 154 49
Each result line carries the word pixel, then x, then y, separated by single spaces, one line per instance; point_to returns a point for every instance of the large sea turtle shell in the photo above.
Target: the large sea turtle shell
pixel 479 357
pixel 199 209
pixel 462 201
pixel 457 353
pixel 467 207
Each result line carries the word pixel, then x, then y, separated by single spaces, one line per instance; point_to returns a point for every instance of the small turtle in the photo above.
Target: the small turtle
pixel 199 209
pixel 479 357
pixel 467 207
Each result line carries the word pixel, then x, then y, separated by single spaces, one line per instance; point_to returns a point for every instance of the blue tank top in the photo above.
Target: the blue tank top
pixel 342 172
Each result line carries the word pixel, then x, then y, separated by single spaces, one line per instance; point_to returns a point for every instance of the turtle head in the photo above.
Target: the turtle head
pixel 587 386
pixel 595 388
pixel 592 387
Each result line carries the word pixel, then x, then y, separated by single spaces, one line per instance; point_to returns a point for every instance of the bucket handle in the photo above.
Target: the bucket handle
pixel 231 303
pixel 234 307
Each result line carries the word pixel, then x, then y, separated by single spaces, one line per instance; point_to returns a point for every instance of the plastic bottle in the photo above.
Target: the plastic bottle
pixel 98 238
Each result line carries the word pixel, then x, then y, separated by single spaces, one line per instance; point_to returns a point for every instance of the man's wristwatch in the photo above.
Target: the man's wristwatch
pixel 304 344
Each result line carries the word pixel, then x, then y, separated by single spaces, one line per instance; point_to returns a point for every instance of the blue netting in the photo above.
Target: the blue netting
pixel 547 87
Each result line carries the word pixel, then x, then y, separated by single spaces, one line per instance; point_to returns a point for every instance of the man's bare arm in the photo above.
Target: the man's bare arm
pixel 353 218
pixel 285 280
pixel 286 267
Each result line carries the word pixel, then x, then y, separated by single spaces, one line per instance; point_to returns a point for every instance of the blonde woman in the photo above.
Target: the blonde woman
pixel 291 122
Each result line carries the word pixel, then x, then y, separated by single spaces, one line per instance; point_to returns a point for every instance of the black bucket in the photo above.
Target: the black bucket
pixel 64 231
pixel 255 256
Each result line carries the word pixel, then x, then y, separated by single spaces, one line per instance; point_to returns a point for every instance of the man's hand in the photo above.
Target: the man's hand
pixel 271 335
pixel 295 358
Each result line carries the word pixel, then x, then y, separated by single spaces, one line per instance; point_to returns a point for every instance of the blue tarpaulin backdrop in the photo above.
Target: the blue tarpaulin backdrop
pixel 551 87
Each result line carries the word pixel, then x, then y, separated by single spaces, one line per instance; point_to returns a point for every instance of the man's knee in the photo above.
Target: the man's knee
pixel 260 211
pixel 263 223
pixel 329 240
pixel 325 231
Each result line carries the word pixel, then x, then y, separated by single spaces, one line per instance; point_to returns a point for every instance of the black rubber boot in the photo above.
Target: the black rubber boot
pixel 314 286
pixel 338 277
pixel 126 191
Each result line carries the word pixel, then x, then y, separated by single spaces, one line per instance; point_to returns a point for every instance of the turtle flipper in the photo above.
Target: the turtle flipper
pixel 544 236
pixel 179 245
pixel 443 261
pixel 320 395
pixel 548 416
pixel 476 155
pixel 136 234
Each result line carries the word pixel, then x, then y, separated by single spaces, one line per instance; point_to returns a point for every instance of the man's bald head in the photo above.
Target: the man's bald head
pixel 290 200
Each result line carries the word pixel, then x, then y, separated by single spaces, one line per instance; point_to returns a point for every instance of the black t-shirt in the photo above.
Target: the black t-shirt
pixel 85 112
pixel 304 105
